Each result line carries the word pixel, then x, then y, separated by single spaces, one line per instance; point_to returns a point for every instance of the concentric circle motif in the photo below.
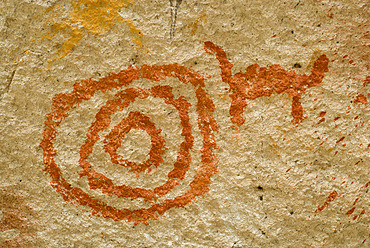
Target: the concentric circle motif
pixel 139 121
pixel 63 103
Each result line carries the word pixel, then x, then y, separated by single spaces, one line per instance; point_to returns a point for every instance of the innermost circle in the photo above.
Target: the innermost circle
pixel 135 146
pixel 135 121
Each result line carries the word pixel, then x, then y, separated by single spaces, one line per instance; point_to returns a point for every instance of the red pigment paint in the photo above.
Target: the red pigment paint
pixel 351 211
pixel 360 99
pixel 361 214
pixel 139 121
pixel 63 103
pixel 340 140
pixel 367 184
pixel 330 198
pixel 123 100
pixel 262 81
pixel 321 120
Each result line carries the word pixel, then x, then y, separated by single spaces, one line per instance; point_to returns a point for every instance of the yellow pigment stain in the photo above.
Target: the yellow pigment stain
pixel 92 16
pixel 202 18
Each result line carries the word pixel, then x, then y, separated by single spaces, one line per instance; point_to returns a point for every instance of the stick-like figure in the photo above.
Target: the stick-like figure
pixel 262 81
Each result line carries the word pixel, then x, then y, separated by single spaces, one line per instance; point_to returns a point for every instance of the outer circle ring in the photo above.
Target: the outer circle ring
pixel 63 103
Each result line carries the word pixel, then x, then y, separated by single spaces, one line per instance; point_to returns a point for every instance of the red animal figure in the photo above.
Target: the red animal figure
pixel 262 81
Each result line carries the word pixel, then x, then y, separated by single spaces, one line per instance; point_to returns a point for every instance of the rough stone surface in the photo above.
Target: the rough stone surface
pixel 273 182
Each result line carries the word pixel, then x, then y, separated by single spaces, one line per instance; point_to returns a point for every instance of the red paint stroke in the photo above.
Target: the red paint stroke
pixel 360 99
pixel 340 140
pixel 139 121
pixel 361 214
pixel 367 185
pixel 64 103
pixel 123 100
pixel 262 81
pixel 330 198
pixel 349 212
pixel 321 120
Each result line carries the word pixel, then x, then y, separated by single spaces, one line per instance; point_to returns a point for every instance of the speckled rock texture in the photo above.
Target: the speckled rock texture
pixel 142 123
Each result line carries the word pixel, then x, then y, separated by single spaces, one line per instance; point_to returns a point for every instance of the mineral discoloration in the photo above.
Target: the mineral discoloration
pixel 16 216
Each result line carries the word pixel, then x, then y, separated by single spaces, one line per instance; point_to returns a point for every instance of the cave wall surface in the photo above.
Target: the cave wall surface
pixel 212 123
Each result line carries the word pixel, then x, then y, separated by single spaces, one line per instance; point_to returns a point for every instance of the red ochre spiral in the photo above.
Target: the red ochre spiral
pixel 63 103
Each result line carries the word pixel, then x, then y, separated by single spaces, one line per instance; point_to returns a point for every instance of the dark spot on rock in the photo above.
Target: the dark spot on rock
pixel 291 212
pixel 292 32
pixel 260 188
pixel 297 65
pixel 261 198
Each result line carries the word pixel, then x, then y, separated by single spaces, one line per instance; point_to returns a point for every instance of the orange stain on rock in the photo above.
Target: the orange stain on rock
pixel 262 81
